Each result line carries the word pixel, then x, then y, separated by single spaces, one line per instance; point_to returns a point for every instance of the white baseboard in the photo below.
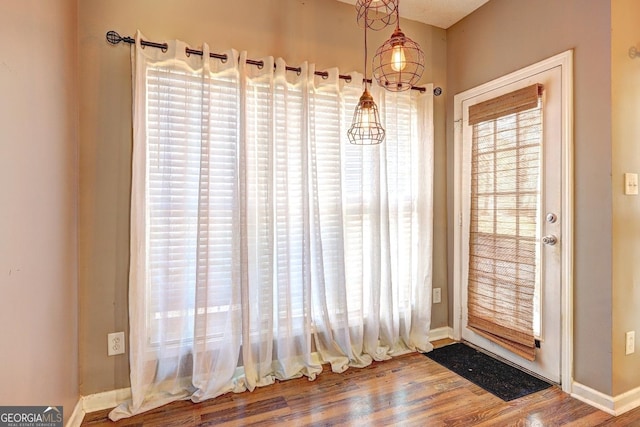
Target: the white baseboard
pixel 627 401
pixel 592 397
pixel 615 406
pixel 441 333
pixel 97 402
pixel 75 420
pixel 105 400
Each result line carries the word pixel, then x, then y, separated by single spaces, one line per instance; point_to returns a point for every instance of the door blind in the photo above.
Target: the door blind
pixel 505 197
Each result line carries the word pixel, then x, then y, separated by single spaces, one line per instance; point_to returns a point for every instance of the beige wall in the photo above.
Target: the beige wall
pixel 38 172
pixel 625 88
pixel 320 31
pixel 506 35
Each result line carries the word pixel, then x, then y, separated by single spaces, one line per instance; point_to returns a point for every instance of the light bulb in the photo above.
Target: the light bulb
pixel 366 118
pixel 398 60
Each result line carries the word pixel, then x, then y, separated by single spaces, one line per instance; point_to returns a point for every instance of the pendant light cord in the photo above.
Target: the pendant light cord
pixel 366 17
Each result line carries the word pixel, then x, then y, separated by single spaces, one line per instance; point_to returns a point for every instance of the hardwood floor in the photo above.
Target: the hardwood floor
pixel 407 390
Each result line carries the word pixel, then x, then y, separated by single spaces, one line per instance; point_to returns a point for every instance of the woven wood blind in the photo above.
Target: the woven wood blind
pixel 507 134
pixel 510 103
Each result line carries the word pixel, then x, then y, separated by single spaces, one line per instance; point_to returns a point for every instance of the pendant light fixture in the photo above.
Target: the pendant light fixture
pixel 376 14
pixel 365 127
pixel 398 64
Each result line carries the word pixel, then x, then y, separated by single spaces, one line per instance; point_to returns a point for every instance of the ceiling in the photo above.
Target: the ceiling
pixel 439 13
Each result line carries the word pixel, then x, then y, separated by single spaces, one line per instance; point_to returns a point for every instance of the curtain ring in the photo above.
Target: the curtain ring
pixel 260 65
pixel 164 48
pixel 348 79
pixel 224 60
pixel 325 75
pixel 299 71
pixel 186 52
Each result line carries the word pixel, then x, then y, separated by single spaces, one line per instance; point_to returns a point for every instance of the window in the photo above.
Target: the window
pixel 178 169
pixel 197 181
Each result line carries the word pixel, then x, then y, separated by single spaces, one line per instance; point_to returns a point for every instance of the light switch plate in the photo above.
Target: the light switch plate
pixel 631 184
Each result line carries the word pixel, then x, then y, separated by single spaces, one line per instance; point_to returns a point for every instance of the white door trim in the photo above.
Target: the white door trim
pixel 565 61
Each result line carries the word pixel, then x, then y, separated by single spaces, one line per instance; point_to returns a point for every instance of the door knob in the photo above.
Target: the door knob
pixel 550 240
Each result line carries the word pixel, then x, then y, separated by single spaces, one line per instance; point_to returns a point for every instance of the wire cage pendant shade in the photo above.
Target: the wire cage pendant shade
pixel 399 63
pixel 365 127
pixel 376 14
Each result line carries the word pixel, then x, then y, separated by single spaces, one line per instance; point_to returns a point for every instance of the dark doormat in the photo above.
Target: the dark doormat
pixel 494 376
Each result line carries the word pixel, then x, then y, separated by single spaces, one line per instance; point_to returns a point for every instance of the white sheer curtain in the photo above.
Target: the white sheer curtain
pixel 263 244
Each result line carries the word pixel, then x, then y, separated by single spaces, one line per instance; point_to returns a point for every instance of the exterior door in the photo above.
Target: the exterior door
pixel 546 228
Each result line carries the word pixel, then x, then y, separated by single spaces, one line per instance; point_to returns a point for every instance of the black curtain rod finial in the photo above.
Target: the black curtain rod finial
pixel 113 37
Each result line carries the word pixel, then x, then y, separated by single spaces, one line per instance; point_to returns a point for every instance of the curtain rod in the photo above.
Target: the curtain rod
pixel 114 38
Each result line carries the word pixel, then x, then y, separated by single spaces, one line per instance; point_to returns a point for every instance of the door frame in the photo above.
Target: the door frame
pixel 565 62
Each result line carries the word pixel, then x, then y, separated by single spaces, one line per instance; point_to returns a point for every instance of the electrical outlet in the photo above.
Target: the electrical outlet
pixel 631 184
pixel 630 342
pixel 437 295
pixel 115 343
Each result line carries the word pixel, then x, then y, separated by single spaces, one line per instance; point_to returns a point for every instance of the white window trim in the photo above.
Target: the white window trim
pixel 565 61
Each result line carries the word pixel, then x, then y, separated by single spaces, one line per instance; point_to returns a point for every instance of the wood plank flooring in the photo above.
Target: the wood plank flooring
pixel 409 390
